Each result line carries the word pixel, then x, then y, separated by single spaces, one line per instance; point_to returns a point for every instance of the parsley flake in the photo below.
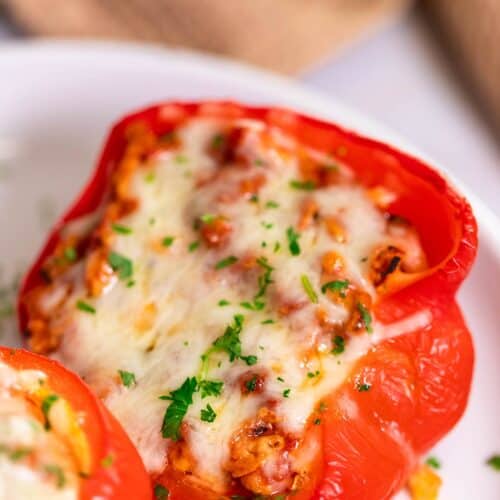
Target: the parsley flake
pixel 228 261
pixel 208 218
pixel 193 246
pixel 181 399
pixel 308 288
pixel 286 393
pixel 210 388
pixel 267 322
pixel 160 492
pixel 433 462
pixel 366 317
pixel 494 462
pixel 251 384
pixel 122 265
pixel 58 473
pixel 267 225
pixel 70 254
pixel 293 241
pixel 223 302
pixel 167 241
pixel 272 204
pixel 363 387
pixel 127 378
pixel 303 185
pixel 118 228
pixel 208 414
pixel 83 306
pixel 337 286
pixel 107 461
pixel 338 345
pixel 47 403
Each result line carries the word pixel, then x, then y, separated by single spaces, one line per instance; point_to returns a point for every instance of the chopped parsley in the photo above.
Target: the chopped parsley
pixel 70 254
pixel 208 218
pixel 280 379
pixel 259 162
pixel 251 384
pixel 293 241
pixel 254 198
pixel 19 453
pixel 337 286
pixel 308 288
pixel 228 261
pixel 230 342
pixel 494 462
pixel 210 388
pixel 167 241
pixel 83 306
pixel 58 474
pixel 193 246
pixel 181 159
pixel 313 374
pixel 181 399
pixel 286 393
pixel 47 403
pixel 272 204
pixel 317 421
pixel 223 302
pixel 277 247
pixel 366 317
pixel 160 492
pixel 107 461
pixel 122 265
pixel 267 322
pixel 267 225
pixel 253 306
pixel 131 283
pixel 263 281
pixel 338 345
pixel 218 140
pixel 127 378
pixel 363 387
pixel 433 462
pixel 150 177
pixel 304 185
pixel 208 414
pixel 118 228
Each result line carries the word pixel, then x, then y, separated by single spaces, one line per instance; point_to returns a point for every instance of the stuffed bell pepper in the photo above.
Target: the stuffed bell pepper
pixel 265 302
pixel 57 441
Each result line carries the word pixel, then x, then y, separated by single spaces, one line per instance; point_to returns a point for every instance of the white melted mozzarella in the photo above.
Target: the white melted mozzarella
pixel 161 326
pixel 28 453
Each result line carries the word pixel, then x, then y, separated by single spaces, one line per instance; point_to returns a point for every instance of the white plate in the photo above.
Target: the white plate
pixel 57 101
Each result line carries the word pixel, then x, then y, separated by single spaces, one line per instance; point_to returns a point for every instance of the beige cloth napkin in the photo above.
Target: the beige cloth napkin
pixel 471 29
pixel 284 35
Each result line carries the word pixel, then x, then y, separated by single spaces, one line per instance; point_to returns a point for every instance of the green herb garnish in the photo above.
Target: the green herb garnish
pixel 58 473
pixel 366 317
pixel 223 302
pixel 337 286
pixel 122 265
pixel 308 288
pixel 207 414
pixel 181 399
pixel 167 241
pixel 339 345
pixel 267 225
pixel 160 492
pixel 107 461
pixel 494 462
pixel 127 378
pixel 208 218
pixel 118 228
pixel 272 204
pixel 193 246
pixel 363 387
pixel 210 388
pixel 286 393
pixel 228 261
pixel 70 254
pixel 433 462
pixel 293 241
pixel 83 306
pixel 304 185
pixel 267 322
pixel 47 403
pixel 251 384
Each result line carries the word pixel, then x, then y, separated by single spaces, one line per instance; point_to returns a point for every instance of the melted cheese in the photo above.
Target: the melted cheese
pixel 34 462
pixel 161 326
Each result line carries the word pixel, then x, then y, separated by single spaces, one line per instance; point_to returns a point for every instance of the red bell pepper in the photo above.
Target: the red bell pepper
pixel 116 470
pixel 420 380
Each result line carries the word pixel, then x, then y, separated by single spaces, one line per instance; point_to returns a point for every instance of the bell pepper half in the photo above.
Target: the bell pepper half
pixel 370 441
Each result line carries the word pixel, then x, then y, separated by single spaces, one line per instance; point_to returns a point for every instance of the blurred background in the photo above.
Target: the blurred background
pixel 429 69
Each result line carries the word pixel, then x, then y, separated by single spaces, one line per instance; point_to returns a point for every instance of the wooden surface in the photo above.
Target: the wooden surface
pixel 284 35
